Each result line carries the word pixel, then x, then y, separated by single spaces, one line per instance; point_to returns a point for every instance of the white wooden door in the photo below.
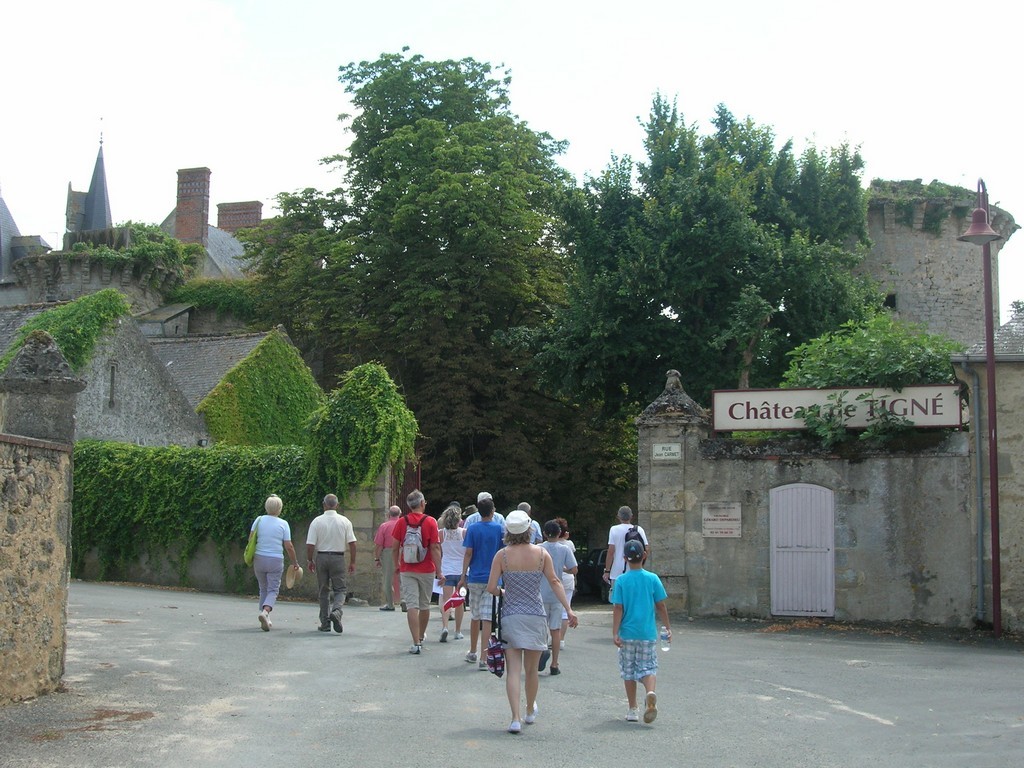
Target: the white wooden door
pixel 801 520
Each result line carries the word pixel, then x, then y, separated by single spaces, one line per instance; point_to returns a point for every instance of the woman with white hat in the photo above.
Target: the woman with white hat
pixel 521 566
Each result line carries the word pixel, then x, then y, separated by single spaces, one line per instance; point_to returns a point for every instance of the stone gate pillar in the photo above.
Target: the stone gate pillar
pixel 669 433
pixel 38 393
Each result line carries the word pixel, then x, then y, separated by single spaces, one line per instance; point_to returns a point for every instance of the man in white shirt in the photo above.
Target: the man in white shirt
pixel 614 562
pixel 330 534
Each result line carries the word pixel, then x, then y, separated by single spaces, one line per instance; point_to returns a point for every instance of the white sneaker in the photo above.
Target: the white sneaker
pixel 416 650
pixel 459 636
pixel 632 715
pixel 471 658
pixel 482 665
pixel 515 727
pixel 652 707
pixel 265 623
pixel 444 635
pixel 531 717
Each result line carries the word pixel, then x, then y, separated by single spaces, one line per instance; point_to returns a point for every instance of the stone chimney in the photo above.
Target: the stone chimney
pixel 192 215
pixel 232 217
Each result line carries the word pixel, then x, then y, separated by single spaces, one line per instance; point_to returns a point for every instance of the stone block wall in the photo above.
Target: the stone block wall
pixel 1010 419
pixel 130 396
pixel 903 539
pixel 35 539
pixel 935 279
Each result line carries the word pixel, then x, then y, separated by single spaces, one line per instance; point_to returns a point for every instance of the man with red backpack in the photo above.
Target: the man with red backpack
pixel 417 553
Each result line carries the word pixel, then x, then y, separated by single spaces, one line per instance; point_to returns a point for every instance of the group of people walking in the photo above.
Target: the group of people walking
pixel 509 571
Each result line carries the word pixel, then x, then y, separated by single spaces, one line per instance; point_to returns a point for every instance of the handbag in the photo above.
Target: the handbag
pixel 250 548
pixel 496 646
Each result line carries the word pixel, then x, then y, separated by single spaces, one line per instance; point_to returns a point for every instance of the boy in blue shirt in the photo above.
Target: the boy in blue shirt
pixel 635 598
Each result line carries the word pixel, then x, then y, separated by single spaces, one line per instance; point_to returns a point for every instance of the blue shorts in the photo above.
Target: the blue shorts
pixel 638 659
pixel 452 581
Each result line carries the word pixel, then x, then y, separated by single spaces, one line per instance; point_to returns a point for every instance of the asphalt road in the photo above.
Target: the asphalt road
pixel 165 678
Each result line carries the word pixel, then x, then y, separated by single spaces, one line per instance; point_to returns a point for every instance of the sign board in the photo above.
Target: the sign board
pixel 667 451
pixel 721 519
pixel 777 409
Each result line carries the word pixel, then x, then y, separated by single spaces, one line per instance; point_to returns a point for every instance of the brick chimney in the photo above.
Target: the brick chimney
pixel 192 216
pixel 232 217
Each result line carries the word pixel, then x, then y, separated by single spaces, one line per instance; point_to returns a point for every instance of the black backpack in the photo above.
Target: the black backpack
pixel 633 534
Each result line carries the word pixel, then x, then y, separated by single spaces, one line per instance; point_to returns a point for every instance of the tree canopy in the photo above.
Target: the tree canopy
pixel 525 319
pixel 715 255
pixel 880 351
pixel 439 248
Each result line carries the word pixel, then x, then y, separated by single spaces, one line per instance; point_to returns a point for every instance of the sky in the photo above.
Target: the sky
pixel 249 88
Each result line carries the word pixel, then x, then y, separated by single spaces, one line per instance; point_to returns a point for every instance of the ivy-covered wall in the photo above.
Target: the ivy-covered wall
pixel 76 327
pixel 264 400
pixel 138 508
pixel 136 503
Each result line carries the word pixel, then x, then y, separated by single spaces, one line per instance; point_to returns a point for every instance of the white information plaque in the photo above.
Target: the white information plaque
pixel 721 519
pixel 667 451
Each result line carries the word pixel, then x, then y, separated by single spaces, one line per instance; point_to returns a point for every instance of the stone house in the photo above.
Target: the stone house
pixel 146 390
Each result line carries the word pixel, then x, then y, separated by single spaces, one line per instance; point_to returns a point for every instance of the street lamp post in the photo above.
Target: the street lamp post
pixel 981 233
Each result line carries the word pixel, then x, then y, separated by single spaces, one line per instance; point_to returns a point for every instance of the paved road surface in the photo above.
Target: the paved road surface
pixel 167 678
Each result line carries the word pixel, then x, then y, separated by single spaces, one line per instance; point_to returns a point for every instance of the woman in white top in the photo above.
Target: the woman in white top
pixel 452 555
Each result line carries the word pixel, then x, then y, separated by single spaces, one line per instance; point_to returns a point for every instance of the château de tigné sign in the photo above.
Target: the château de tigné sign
pixel 770 409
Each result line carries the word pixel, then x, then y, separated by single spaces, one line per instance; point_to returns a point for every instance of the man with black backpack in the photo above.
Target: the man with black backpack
pixel 417 551
pixel 618 535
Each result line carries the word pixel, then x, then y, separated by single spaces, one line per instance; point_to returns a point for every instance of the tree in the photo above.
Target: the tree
pixel 713 261
pixel 437 254
pixel 877 352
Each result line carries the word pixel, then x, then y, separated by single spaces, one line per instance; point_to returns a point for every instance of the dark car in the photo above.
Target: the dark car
pixel 590 580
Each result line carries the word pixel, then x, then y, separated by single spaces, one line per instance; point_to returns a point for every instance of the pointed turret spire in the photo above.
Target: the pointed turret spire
pixel 96 212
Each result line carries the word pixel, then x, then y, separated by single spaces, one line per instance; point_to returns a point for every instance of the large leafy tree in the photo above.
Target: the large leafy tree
pixel 440 247
pixel 714 255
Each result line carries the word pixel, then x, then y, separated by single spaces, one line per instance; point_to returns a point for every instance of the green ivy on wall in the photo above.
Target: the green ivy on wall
pixel 131 501
pixel 76 327
pixel 362 429
pixel 150 246
pixel 940 201
pixel 235 297
pixel 264 400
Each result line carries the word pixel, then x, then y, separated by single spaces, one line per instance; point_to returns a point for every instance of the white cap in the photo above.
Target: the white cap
pixel 517 521
pixel 483 495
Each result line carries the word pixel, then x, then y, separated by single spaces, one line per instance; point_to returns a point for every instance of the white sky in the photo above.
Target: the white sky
pixel 928 90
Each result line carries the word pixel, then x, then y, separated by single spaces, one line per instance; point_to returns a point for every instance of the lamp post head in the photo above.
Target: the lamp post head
pixel 980 232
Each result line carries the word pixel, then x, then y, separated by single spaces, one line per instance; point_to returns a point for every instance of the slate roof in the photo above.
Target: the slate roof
pixel 1009 339
pixel 97 203
pixel 8 229
pixel 222 250
pixel 198 363
pixel 163 314
pixel 12 318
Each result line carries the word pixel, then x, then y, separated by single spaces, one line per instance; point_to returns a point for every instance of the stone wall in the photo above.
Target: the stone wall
pixel 35 531
pixel 130 397
pixel 933 279
pixel 37 405
pixel 64 276
pixel 1010 419
pixel 903 540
